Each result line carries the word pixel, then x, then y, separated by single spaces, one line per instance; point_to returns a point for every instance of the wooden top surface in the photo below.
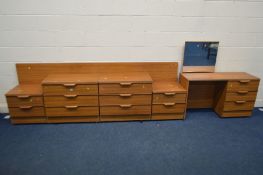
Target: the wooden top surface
pixel 26 89
pixel 219 76
pixel 71 78
pixel 140 77
pixel 167 86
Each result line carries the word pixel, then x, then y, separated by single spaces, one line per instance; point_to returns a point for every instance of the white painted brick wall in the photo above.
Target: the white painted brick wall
pixel 128 30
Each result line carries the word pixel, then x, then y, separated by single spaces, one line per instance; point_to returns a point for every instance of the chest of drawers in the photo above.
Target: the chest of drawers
pixel 71 97
pixel 125 96
pixel 169 101
pixel 25 103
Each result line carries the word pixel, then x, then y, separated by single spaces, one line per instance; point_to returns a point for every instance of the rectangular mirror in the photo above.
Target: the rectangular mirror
pixel 200 56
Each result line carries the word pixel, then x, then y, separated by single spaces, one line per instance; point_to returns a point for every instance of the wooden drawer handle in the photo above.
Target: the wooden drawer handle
pixel 125 84
pixel 70 96
pixel 71 107
pixel 169 93
pixel 69 85
pixel 242 92
pixel 244 81
pixel 25 107
pixel 169 104
pixel 126 106
pixel 240 102
pixel 125 95
pixel 23 96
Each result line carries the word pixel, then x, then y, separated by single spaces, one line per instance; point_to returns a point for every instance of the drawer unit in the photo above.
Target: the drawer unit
pixel 68 111
pixel 128 94
pixel 24 100
pixel 71 100
pixel 134 99
pixel 125 110
pixel 242 85
pixel 169 97
pixel 25 103
pixel 169 101
pixel 125 88
pixel 71 89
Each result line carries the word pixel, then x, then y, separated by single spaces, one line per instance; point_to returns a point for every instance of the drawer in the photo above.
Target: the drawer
pixel 24 100
pixel 241 96
pixel 27 111
pixel 168 108
pixel 71 100
pixel 70 89
pixel 125 110
pixel 238 105
pixel 125 99
pixel 236 114
pixel 125 88
pixel 242 85
pixel 169 98
pixel 72 111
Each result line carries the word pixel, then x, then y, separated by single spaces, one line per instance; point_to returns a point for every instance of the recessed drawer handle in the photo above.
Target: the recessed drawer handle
pixel 125 95
pixel 69 85
pixel 71 107
pixel 25 107
pixel 240 102
pixel 169 93
pixel 70 96
pixel 244 81
pixel 125 106
pixel 23 96
pixel 125 84
pixel 169 104
pixel 242 92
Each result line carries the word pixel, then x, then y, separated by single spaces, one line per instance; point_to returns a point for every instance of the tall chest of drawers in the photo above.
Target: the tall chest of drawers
pixel 125 96
pixel 71 98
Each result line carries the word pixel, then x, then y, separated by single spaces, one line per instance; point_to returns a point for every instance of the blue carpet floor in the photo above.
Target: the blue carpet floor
pixel 202 144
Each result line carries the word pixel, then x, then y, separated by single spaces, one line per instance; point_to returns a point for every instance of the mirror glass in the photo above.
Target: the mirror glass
pixel 200 53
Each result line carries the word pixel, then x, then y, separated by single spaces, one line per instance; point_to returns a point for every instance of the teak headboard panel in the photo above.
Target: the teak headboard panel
pixel 36 72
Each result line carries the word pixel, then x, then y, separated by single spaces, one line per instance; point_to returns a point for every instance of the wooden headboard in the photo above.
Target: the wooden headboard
pixel 36 72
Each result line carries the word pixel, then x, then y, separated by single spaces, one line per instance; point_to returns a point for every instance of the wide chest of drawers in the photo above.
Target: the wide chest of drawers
pixel 125 96
pixel 71 98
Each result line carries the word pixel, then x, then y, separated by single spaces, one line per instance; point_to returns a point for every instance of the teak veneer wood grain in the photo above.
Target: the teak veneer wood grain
pixel 36 72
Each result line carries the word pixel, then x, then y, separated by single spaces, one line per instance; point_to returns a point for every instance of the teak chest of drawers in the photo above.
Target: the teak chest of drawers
pixel 94 92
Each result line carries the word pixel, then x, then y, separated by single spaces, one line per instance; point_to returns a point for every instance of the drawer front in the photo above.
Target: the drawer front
pixel 241 95
pixel 122 88
pixel 242 85
pixel 71 100
pixel 16 101
pixel 27 111
pixel 70 89
pixel 72 111
pixel 125 110
pixel 125 99
pixel 236 114
pixel 168 108
pixel 238 105
pixel 169 98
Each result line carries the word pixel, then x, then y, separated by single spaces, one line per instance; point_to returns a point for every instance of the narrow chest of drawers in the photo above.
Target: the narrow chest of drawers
pixel 169 101
pixel 25 103
pixel 240 98
pixel 70 98
pixel 125 96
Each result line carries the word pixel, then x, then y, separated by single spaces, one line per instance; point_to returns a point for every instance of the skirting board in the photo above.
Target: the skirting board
pixel 4 108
